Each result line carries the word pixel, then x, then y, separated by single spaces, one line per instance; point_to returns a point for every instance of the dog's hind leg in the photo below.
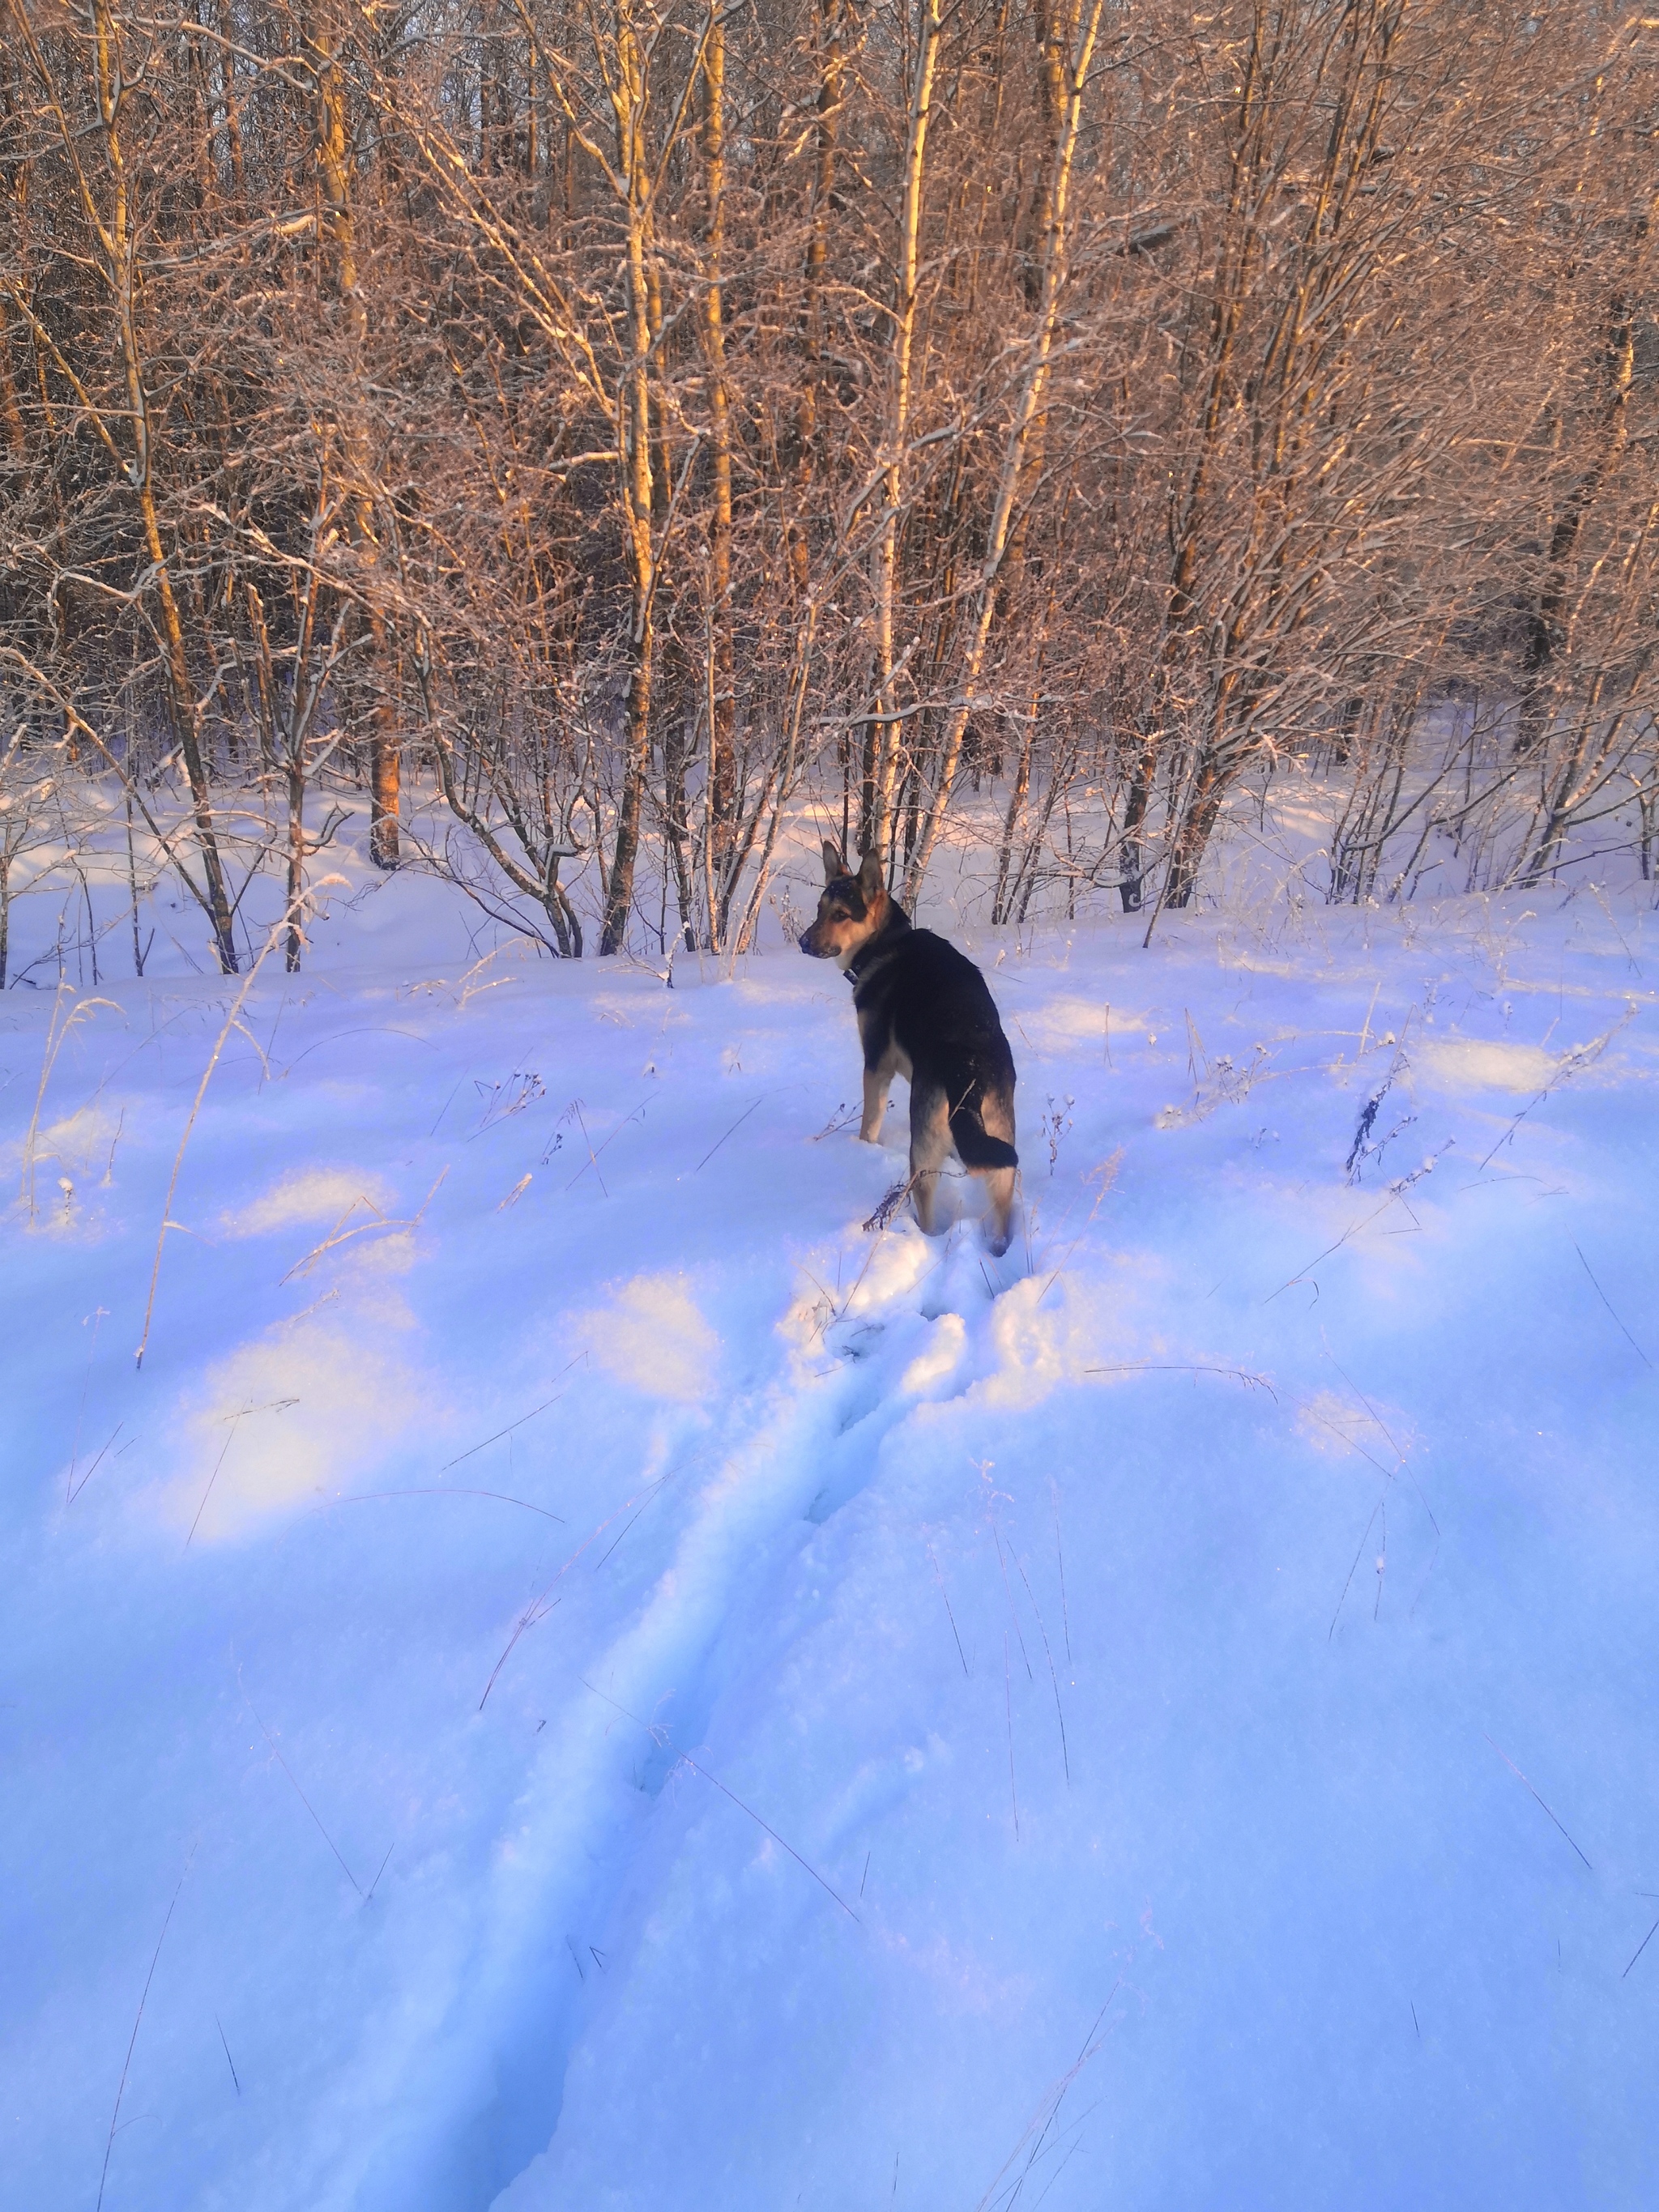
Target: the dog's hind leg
pixel 930 1147
pixel 999 1220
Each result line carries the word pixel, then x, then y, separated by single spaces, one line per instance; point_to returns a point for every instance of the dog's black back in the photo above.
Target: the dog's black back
pixel 913 989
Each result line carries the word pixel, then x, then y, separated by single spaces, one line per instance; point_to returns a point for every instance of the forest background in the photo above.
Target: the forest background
pixel 604 441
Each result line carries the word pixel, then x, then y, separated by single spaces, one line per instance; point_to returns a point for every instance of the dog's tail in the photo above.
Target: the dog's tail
pixel 974 1144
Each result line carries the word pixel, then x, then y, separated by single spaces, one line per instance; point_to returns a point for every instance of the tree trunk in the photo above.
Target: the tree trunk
pixel 722 701
pixel 633 426
pixel 1084 27
pixel 1544 638
pixel 883 737
pixel 120 250
pixel 335 220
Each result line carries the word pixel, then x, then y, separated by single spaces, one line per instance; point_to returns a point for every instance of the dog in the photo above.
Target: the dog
pixel 924 1013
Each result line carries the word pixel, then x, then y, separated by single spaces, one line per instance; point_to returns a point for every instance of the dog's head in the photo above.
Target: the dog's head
pixel 850 912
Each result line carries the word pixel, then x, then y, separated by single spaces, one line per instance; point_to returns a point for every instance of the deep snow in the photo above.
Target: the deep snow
pixel 956 1733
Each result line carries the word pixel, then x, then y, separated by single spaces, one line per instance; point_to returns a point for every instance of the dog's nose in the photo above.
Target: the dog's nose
pixel 806 940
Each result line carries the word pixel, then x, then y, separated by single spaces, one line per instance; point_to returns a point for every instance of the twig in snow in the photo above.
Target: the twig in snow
pixel 341 1235
pixel 1365 1033
pixel 540 1608
pixel 1363 1148
pixel 843 1118
pixel 1353 1570
pixel 372 1497
pixel 660 1736
pixel 1396 1189
pixel 230 2061
pixel 55 1040
pixel 380 1870
pixel 1607 1302
pixel 887 1213
pixel 948 1615
pixel 592 1159
pixel 300 1795
pixel 444 1108
pixel 1515 1770
pixel 1008 1593
pixel 624 1530
pixel 1642 1945
pixel 97 1318
pixel 1008 1707
pixel 732 1132
pixel 1105 1174
pixel 1065 1755
pixel 108 1175
pixel 211 1480
pixel 1572 1063
pixel 121 2086
pixel 1403 1468
pixel 1052 2097
pixel 518 1424
pixel 1065 1613
pixel 276 1405
pixel 97 1463
pixel 533 1614
pixel 338 1037
pixel 1182 1367
pixel 232 1021
pixel 1064 2163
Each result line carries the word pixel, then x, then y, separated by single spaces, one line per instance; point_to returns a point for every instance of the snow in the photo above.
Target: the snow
pixel 612 1685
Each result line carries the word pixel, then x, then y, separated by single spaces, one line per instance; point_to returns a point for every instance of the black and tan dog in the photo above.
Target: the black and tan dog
pixel 924 1013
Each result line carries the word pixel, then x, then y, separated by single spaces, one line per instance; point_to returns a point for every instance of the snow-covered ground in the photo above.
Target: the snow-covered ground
pixel 578 1676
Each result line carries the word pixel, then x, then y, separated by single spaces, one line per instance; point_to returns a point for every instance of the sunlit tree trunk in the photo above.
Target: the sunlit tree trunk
pixel 1083 28
pixel 884 740
pixel 627 99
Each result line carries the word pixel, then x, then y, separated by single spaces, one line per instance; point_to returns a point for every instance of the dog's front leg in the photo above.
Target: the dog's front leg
pixel 878 1082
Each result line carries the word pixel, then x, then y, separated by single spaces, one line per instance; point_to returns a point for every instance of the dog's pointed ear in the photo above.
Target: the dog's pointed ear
pixel 869 875
pixel 834 864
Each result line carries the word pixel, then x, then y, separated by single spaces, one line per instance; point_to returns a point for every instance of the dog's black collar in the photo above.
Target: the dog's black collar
pixel 875 949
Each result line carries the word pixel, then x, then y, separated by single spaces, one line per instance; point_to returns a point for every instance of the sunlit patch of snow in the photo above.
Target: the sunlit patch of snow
pixel 1064 1022
pixel 651 1335
pixel 897 1263
pixel 307 1197
pixel 1046 1330
pixel 1335 1426
pixel 940 1357
pixel 1485 1064
pixel 308 1407
pixel 71 1159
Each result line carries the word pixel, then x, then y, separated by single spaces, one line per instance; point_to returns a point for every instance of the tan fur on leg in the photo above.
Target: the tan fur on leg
pixel 878 1082
pixel 999 1187
pixel 930 1147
